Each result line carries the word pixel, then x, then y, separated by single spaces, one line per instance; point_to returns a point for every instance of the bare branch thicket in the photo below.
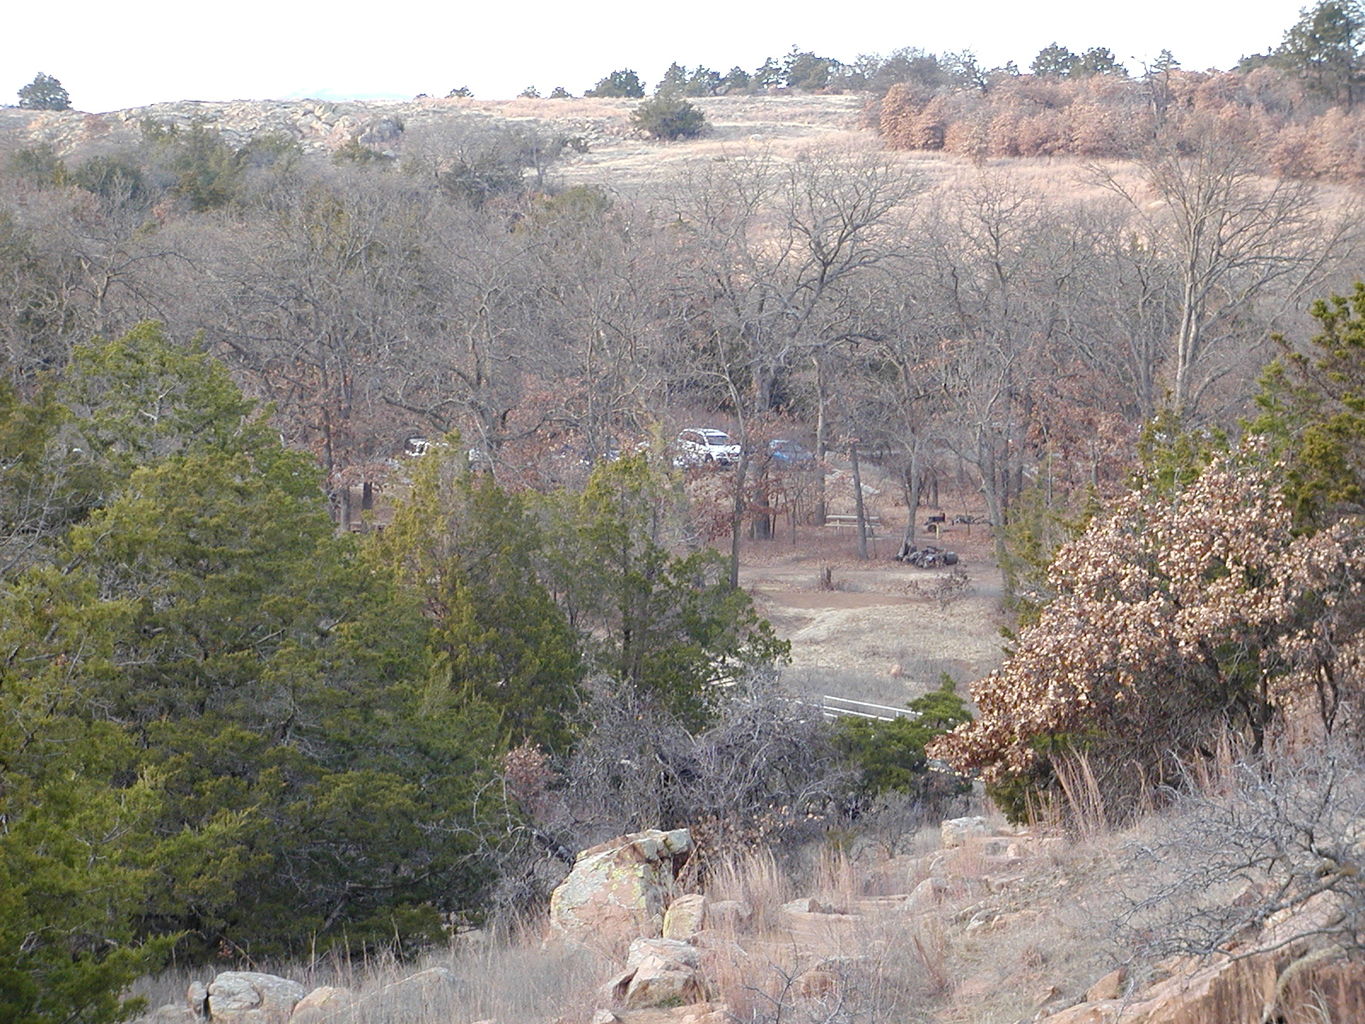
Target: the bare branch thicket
pixel 765 772
pixel 1277 843
pixel 778 257
pixel 1242 250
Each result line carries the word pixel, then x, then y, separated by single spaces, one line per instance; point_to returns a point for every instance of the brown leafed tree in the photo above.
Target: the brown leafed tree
pixel 1176 615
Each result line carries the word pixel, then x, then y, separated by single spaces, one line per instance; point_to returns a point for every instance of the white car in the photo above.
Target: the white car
pixel 704 446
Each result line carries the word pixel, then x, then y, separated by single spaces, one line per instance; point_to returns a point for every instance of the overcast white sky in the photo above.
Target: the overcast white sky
pixel 111 55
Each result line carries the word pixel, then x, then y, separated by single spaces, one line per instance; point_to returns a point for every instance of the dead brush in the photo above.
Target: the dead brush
pixel 838 881
pixel 755 879
pixel 1083 800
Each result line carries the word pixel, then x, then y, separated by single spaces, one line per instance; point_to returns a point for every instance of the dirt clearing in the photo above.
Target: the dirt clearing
pixel 886 631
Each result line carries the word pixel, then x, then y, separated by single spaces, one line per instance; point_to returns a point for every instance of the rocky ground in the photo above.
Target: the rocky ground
pixel 994 926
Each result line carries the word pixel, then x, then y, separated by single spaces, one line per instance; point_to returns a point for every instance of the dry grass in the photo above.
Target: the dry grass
pixel 518 976
pixel 999 940
pixel 754 879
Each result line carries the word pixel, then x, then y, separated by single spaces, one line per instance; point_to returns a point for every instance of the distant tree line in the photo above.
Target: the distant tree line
pixel 1322 48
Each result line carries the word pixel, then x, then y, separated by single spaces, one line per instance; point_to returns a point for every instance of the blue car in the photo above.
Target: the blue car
pixel 790 454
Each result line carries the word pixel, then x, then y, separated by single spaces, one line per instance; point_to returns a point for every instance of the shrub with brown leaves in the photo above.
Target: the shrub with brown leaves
pixel 1176 615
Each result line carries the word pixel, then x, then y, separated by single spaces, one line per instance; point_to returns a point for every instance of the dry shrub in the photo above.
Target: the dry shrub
pixel 896 118
pixel 1105 117
pixel 970 136
pixel 1044 133
pixel 1086 810
pixel 881 968
pixel 838 881
pixel 509 974
pixel 1271 838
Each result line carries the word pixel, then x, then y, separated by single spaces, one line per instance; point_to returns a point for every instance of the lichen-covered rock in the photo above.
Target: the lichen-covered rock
pixel 325 1005
pixel 685 917
pixel 249 997
pixel 621 887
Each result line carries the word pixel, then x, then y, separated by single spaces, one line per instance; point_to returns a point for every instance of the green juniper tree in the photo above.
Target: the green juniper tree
pixel 1324 48
pixel 623 84
pixel 44 93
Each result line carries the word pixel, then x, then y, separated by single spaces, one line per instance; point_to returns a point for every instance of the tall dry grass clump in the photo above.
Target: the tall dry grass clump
pixel 755 879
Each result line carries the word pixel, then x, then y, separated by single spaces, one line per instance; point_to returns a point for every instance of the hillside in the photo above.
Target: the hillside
pixel 614 151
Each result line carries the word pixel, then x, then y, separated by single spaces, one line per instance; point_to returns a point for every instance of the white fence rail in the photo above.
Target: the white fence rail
pixel 840 707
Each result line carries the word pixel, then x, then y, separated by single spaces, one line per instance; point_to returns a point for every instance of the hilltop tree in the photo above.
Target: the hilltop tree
pixel 623 84
pixel 1055 60
pixel 674 80
pixel 1098 60
pixel 1323 47
pixel 806 70
pixel 44 93
pixel 737 80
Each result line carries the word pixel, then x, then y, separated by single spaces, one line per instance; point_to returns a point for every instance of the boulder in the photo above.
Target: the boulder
pixel 685 917
pixel 925 897
pixel 197 999
pixel 703 1013
pixel 325 1005
pixel 807 905
pixel 956 831
pixel 172 1014
pixel 665 974
pixel 1108 987
pixel 248 997
pixel 621 887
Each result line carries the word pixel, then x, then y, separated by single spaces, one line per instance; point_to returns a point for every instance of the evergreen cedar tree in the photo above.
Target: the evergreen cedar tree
pixel 668 116
pixel 44 93
pixel 274 737
pixel 216 696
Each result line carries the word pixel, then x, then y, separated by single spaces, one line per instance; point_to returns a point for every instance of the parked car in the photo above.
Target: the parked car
pixel 704 446
pixel 790 454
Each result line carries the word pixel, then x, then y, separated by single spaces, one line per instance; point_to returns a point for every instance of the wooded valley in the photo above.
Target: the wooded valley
pixel 351 582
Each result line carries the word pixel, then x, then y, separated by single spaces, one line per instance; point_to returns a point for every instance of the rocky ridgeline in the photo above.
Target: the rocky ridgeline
pixel 317 126
pixel 626 894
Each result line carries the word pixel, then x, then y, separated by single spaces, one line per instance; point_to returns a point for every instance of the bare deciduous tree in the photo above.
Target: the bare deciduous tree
pixel 1243 248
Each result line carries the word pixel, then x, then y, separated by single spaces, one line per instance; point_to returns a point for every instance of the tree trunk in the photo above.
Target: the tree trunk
pixel 911 485
pixel 858 500
pixel 737 512
pixel 821 445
